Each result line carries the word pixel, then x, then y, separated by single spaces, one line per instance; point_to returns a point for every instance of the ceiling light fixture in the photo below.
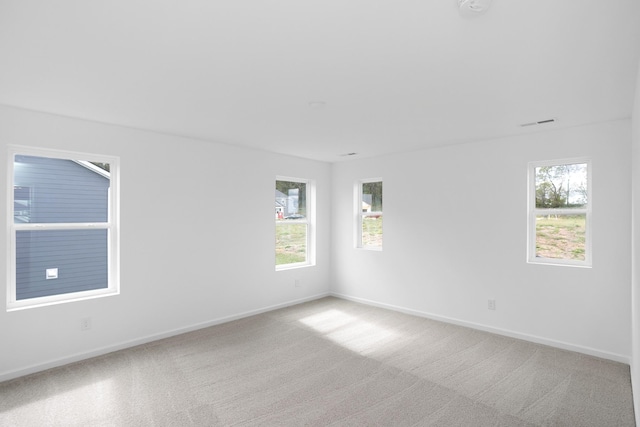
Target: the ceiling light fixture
pixel 473 7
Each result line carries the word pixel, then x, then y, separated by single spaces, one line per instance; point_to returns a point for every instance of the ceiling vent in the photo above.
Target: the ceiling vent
pixel 541 122
pixel 473 7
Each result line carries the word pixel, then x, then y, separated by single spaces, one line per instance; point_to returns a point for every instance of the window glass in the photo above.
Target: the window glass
pixel 561 186
pixel 64 232
pixel 560 214
pixel 292 225
pixel 21 204
pixel 561 236
pixel 50 190
pixel 372 196
pixel 370 217
pixel 372 231
pixel 291 243
pixel 78 256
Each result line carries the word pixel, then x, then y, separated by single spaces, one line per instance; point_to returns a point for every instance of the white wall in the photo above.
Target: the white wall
pixel 197 233
pixel 455 235
pixel 635 286
pixel 455 230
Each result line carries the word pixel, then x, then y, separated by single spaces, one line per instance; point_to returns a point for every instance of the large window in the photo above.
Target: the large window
pixel 559 212
pixel 293 215
pixel 63 242
pixel 369 218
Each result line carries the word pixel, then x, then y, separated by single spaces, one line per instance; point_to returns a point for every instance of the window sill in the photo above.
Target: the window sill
pixel 293 266
pixel 55 300
pixel 559 263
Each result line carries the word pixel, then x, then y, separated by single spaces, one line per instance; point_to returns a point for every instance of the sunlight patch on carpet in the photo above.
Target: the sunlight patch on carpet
pixel 349 331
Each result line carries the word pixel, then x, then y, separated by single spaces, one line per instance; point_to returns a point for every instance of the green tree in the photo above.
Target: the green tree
pixel 561 186
pixel 104 166
pixel 375 190
pixel 550 192
pixel 549 196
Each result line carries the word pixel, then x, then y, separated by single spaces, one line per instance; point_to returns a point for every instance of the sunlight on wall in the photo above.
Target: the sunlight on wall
pixel 351 332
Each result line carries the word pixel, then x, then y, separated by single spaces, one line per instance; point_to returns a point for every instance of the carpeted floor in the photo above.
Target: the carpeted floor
pixel 327 362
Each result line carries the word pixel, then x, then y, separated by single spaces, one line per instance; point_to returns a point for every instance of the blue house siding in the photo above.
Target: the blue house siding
pixel 59 191
pixel 79 255
pixel 49 191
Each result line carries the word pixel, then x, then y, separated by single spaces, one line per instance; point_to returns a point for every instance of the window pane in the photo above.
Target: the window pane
pixel 291 200
pixel 48 190
pixel 372 196
pixel 561 186
pixel 372 231
pixel 21 204
pixel 561 236
pixel 291 242
pixel 79 257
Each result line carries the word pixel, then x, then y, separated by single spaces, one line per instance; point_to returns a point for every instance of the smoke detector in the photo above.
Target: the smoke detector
pixel 473 7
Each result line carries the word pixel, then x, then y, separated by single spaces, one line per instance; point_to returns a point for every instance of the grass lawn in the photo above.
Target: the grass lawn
pixel 561 236
pixel 291 242
pixel 557 237
pixel 372 232
pixel 291 239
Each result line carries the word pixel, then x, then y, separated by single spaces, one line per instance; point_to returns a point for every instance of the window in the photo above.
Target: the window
pixel 369 208
pixel 293 215
pixel 559 212
pixel 63 243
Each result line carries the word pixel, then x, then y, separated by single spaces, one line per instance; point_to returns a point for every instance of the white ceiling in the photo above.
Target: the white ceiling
pixel 393 75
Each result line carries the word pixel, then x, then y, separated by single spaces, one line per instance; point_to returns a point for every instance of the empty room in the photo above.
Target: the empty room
pixel 454 239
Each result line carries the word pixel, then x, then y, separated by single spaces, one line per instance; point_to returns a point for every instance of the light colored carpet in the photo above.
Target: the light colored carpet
pixel 327 362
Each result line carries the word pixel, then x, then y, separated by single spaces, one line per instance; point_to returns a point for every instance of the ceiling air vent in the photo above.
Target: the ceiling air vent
pixel 541 122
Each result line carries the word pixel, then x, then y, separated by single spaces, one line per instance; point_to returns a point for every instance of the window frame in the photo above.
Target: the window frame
pixel 309 221
pixel 360 216
pixel 111 225
pixel 533 212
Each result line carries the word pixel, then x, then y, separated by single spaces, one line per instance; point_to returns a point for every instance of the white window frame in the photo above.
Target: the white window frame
pixel 360 216
pixel 534 212
pixel 310 258
pixel 112 226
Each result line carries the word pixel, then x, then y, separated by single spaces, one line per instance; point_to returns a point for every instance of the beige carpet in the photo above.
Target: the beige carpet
pixel 328 362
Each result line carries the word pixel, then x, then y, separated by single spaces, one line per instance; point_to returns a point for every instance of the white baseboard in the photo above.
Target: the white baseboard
pixel 505 332
pixel 635 389
pixel 5 376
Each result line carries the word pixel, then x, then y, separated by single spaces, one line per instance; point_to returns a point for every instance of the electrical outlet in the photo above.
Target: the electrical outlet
pixel 85 324
pixel 491 304
pixel 296 283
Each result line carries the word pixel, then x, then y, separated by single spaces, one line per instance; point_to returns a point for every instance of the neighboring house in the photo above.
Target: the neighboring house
pixel 59 191
pixel 281 204
pixel 366 202
pixel 293 200
pixel 287 204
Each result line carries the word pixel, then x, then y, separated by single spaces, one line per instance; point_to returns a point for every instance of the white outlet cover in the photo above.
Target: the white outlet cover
pixel 51 273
